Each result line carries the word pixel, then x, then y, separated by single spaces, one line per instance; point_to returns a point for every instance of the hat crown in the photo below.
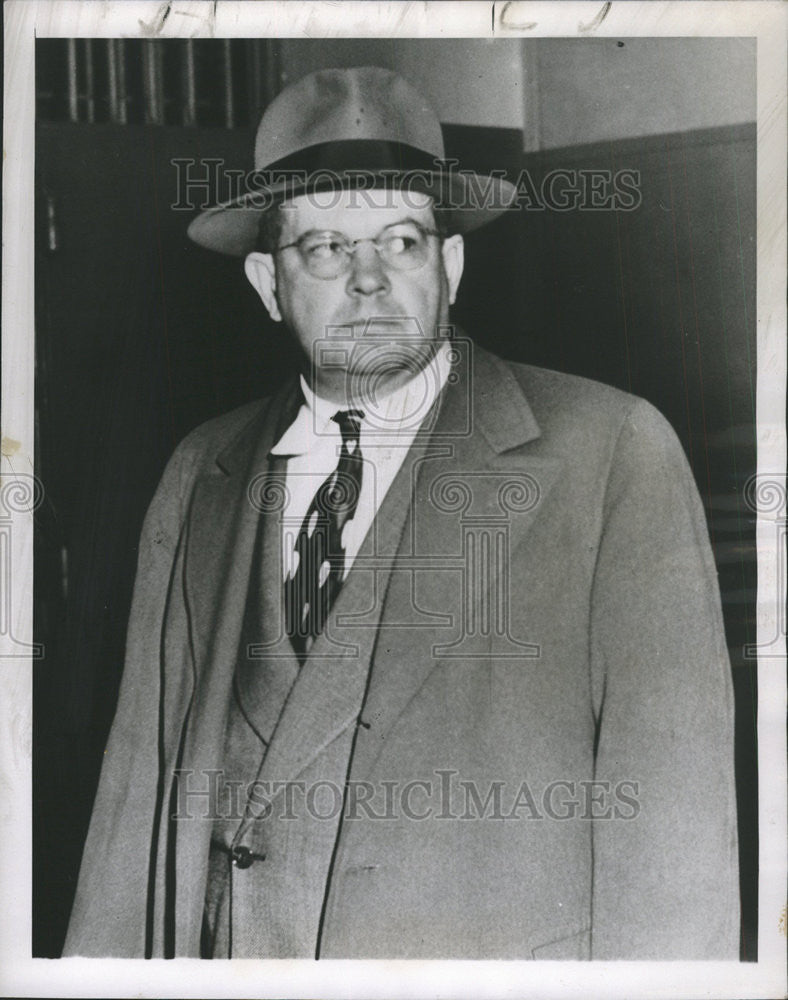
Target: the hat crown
pixel 339 126
pixel 363 102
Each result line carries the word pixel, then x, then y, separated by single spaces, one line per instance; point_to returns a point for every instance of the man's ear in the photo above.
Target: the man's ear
pixel 261 272
pixel 453 251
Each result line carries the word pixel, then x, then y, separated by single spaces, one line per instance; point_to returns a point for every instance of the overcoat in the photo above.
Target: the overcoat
pixel 547 691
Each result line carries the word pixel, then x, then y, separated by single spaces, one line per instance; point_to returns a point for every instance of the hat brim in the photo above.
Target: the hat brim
pixel 472 200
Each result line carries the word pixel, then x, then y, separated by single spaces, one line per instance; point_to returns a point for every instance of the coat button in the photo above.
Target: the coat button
pixel 244 858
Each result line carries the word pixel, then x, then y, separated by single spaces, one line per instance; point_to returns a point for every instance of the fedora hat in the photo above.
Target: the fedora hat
pixel 341 128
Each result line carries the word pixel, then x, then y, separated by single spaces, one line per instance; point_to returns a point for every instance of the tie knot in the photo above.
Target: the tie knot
pixel 349 423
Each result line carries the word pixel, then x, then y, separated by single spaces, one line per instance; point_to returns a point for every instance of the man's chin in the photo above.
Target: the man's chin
pixel 391 363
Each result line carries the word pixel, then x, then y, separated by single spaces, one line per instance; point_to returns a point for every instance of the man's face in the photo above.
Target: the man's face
pixel 372 315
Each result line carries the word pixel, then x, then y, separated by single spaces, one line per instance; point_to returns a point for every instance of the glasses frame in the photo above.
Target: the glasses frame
pixel 349 247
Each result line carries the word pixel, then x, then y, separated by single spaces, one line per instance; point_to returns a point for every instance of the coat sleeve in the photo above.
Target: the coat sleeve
pixel 665 877
pixel 109 915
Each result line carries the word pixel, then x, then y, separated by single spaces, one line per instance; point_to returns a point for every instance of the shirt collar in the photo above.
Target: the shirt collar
pixel 399 413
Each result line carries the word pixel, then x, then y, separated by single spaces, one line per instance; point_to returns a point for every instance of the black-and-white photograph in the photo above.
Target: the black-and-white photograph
pixel 397 496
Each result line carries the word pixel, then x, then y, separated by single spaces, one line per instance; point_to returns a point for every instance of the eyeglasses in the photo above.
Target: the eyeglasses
pixel 403 246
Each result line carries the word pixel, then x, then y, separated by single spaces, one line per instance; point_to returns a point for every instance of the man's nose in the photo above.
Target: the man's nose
pixel 367 274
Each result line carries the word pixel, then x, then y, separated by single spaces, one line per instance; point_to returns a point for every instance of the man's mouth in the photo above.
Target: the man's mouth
pixel 376 325
pixel 377 321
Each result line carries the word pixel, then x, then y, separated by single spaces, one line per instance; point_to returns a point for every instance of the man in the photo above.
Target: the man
pixel 426 657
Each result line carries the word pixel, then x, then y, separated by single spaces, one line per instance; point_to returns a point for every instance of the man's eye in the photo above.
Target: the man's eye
pixel 324 249
pixel 400 244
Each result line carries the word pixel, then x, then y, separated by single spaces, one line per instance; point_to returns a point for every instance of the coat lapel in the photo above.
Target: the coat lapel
pixel 479 487
pixel 267 664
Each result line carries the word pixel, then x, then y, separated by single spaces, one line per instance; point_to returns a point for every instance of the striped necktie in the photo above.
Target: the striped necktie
pixel 318 566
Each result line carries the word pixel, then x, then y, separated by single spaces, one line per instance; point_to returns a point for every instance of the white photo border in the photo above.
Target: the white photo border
pixel 25 20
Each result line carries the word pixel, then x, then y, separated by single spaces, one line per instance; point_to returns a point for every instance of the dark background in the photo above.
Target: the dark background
pixel 140 336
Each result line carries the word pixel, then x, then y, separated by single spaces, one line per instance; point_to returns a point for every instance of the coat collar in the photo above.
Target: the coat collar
pixel 499 406
pixel 487 392
pixel 259 435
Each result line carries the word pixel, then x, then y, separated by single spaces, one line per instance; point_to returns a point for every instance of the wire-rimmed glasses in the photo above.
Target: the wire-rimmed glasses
pixel 403 246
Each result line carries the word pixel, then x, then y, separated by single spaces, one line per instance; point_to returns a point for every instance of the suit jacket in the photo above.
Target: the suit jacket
pixel 548 697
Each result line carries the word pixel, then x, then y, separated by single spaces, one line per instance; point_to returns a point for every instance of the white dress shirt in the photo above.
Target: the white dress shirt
pixel 312 444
